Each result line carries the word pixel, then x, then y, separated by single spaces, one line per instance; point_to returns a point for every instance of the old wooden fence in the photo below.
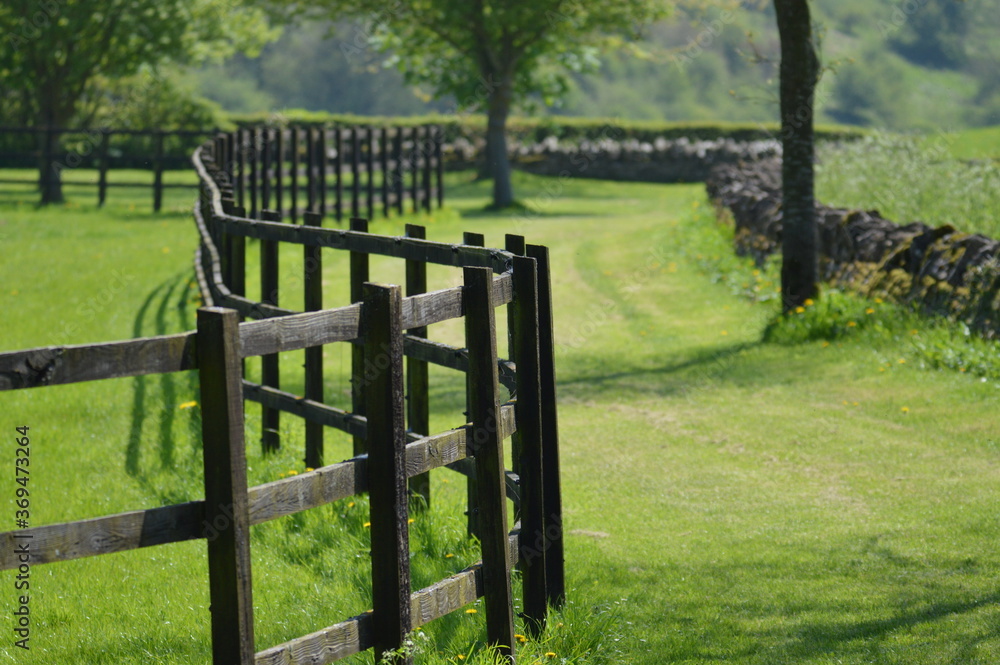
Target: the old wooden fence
pixel 391 436
pixel 350 170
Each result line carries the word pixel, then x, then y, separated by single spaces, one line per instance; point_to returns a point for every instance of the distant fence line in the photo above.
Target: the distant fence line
pixel 355 168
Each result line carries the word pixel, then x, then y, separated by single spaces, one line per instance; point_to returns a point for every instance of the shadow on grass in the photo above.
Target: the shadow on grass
pixel 705 366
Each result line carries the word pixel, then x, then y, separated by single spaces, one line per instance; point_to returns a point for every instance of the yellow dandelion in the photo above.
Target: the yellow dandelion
pixel 460 657
pixel 901 361
pixel 724 332
pixel 913 332
pixel 905 409
pixel 756 272
pixel 410 521
pixel 854 403
pixel 878 301
pixel 188 405
pixel 445 480
pixel 826 344
pixel 550 654
pixel 520 638
pixel 350 505
pixel 845 402
pixel 366 525
pixel 642 333
pixel 870 310
pixel 559 625
pixel 471 611
pixel 881 369
pixel 293 472
pixel 448 555
pixel 799 309
pixel 810 302
pixel 961 369
pixel 166 250
pixel 309 468
pixel 281 475
pixel 851 324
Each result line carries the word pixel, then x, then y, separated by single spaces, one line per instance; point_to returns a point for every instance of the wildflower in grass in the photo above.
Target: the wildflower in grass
pixel 800 309
pixel 166 250
pixel 854 403
pixel 851 324
pixel 188 405
pixel 961 369
pixel 826 344
pixel 810 302
pixel 520 638
pixel 410 521
pixel 309 468
pixel 878 301
pixel 471 611
pixel 905 409
pixel 350 505
pixel 870 310
pixel 902 361
pixel 913 332
pixel 460 656
pixel 281 475
pixel 756 272
pixel 550 654
pixel 448 555
pixel 724 332
pixel 293 472
pixel 366 525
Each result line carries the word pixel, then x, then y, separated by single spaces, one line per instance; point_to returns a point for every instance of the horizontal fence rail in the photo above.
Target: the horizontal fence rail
pixel 394 451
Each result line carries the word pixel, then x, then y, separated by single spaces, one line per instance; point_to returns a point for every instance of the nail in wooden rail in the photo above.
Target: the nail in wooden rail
pixel 359 275
pixel 529 466
pixel 313 284
pixel 487 446
pixel 417 382
pixel 226 509
pixel 270 371
pixel 555 575
pixel 383 324
pixel 472 491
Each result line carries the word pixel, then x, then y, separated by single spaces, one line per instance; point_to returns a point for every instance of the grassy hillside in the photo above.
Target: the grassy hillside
pixel 889 64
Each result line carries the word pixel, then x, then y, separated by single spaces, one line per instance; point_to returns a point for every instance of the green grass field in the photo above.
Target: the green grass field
pixel 726 498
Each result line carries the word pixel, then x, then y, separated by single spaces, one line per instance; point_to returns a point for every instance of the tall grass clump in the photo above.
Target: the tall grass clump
pixel 908 178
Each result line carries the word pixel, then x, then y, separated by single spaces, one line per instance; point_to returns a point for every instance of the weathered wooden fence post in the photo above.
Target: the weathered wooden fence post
pixel 158 170
pixel 227 522
pixel 355 172
pixel 370 167
pixel 294 208
pixel 265 170
pixel 313 300
pixel 384 162
pixel 417 382
pixel 270 370
pixel 555 575
pixel 382 316
pixel 279 169
pixel 359 275
pixel 338 165
pixel 102 176
pixel 528 437
pixel 487 445
pixel 472 483
pixel 397 169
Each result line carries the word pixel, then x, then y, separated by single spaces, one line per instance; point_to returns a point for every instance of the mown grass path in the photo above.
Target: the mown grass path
pixel 742 502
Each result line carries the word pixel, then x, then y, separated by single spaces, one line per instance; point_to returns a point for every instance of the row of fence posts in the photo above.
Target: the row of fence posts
pixel 56 162
pixel 385 166
pixel 541 545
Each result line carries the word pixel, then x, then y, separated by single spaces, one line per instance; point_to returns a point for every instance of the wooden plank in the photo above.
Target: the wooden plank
pixel 383 326
pixel 527 441
pixel 226 508
pixel 355 172
pixel 270 366
pixel 312 281
pixel 254 156
pixel 398 247
pixel 515 245
pixel 397 171
pixel 338 165
pixel 293 206
pixel 417 381
pixel 158 172
pixel 56 365
pixel 322 165
pixel 370 167
pixel 279 169
pixel 359 275
pixel 555 570
pixel 454 358
pixel 439 166
pixel 103 164
pixel 415 168
pixel 427 150
pixel 299 331
pixel 384 163
pixel 310 170
pixel 472 486
pixel 265 172
pixel 487 445
pixel 311 411
pixel 324 646
pixel 104 535
pixel 238 261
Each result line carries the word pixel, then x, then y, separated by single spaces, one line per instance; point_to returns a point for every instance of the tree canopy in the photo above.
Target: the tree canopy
pixel 489 54
pixel 53 51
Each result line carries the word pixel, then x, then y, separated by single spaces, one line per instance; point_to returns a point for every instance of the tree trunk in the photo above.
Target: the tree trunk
pixel 799 73
pixel 496 146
